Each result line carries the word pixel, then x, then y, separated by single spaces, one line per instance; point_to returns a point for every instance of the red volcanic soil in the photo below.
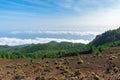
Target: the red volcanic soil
pixel 83 67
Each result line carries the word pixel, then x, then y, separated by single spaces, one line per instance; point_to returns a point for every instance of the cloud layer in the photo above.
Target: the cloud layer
pixel 81 33
pixel 16 41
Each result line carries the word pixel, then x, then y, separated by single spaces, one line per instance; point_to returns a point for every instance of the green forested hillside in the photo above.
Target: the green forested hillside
pixel 109 37
pixel 51 49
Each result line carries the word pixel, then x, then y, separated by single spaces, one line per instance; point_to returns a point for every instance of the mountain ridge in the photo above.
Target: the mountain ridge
pixel 107 37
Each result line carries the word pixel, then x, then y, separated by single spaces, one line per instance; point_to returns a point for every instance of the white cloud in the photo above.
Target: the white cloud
pixel 16 41
pixel 81 33
pixel 82 5
pixel 103 17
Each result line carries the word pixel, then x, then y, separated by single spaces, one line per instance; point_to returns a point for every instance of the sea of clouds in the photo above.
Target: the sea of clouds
pixel 82 33
pixel 17 41
pixel 14 38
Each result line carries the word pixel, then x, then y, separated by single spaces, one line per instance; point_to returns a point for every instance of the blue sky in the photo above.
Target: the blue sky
pixel 59 14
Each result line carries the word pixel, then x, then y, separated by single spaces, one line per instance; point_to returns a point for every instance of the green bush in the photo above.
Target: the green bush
pixel 98 52
pixel 32 61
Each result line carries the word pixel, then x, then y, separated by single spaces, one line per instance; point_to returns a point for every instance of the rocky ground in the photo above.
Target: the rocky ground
pixel 83 67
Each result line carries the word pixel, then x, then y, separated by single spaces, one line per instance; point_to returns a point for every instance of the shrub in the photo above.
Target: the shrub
pixel 32 60
pixel 98 53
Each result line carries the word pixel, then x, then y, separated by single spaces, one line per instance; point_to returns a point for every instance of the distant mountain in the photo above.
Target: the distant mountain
pixel 31 48
pixel 51 49
pixel 107 37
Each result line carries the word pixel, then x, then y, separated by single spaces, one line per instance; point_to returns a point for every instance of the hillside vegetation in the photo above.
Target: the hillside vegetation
pixel 51 49
pixel 109 37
